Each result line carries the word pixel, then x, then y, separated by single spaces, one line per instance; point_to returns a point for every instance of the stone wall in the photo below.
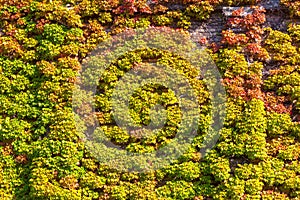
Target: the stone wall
pixel 277 17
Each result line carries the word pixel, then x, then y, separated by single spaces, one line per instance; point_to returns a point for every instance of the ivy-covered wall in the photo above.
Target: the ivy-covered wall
pixel 42 46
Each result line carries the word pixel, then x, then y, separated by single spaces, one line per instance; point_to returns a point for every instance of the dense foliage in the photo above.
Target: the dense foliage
pixel 42 44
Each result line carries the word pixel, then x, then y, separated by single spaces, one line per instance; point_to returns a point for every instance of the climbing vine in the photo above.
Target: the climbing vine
pixel 42 46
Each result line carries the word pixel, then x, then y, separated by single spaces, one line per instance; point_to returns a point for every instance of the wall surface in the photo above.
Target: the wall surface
pixel 277 17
